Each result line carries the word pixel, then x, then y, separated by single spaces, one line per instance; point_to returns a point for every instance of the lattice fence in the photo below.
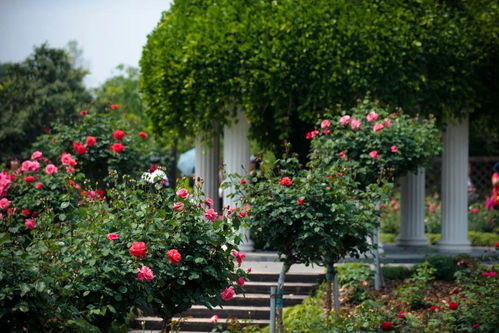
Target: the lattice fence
pixel 481 174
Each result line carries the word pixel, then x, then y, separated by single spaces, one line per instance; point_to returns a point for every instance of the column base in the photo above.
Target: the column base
pixel 246 242
pixel 449 247
pixel 412 242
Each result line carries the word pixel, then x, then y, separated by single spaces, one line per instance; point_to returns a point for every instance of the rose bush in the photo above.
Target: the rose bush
pixel 375 143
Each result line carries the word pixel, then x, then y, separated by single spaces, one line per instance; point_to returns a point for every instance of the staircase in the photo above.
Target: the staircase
pixel 251 308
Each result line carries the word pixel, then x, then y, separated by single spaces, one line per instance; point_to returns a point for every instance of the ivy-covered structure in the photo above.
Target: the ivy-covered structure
pixel 278 65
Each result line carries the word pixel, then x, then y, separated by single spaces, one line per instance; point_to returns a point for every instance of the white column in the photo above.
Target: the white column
pixel 454 189
pixel 207 167
pixel 412 195
pixel 236 161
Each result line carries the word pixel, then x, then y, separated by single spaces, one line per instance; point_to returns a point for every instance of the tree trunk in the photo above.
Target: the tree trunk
pixel 279 299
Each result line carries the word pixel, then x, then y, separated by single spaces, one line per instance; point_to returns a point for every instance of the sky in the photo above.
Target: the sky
pixel 110 32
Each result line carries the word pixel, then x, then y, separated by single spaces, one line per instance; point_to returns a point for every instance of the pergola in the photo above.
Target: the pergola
pixel 454 222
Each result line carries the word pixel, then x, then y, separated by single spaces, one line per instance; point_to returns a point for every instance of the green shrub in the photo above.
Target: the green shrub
pixel 445 266
pixel 476 238
pixel 397 272
pixel 413 293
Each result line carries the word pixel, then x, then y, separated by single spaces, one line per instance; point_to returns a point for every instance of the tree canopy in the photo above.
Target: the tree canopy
pixel 45 87
pixel 288 61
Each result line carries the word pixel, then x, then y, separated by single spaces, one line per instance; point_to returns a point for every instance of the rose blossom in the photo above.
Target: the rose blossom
pixel 113 236
pixel 325 123
pixel 372 116
pixel 183 193
pixel 215 318
pixel 475 325
pixel 117 148
pixel 70 170
pixel 433 308
pixel 29 179
pixel 114 106
pixel 300 201
pixel 364 283
pixel 79 148
pixel 29 166
pixel 374 154
pixel 453 305
pixel 311 134
pixel 50 169
pixel 285 181
pixel 355 124
pixel 36 155
pixel 25 212
pixel 240 281
pixel 342 155
pixel 344 120
pixel 143 135
pixel 174 256
pixel 91 140
pixel 475 210
pixel 378 127
pixel 67 159
pixel 119 135
pixel 210 214
pixel 394 149
pixel 145 273
pixel 387 326
pixel 243 181
pixel 209 202
pixel 30 223
pixel 401 315
pixel 4 203
pixel 239 256
pixel 83 112
pixel 39 186
pixel 178 206
pixel 227 294
pixel 138 249
pixel 387 122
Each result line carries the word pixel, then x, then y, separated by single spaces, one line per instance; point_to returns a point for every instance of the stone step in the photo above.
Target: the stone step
pixel 263 299
pixel 190 324
pixel 229 311
pixel 295 277
pixel 295 288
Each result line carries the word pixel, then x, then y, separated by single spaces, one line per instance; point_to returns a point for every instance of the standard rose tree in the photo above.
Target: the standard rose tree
pixel 376 144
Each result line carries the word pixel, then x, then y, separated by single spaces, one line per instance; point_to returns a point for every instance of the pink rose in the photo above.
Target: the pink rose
pixel 240 281
pixel 183 193
pixel 50 169
pixel 372 116
pixel 378 127
pixel 493 274
pixel 30 223
pixel 174 256
pixel 311 134
pixel 210 214
pixel 36 155
pixel 227 294
pixel 215 318
pixel 70 170
pixel 475 210
pixel 344 120
pixel 145 273
pixel 67 159
pixel 387 122
pixel 342 155
pixel 209 202
pixel 374 154
pixel 326 131
pixel 394 149
pixel 4 203
pixel 113 236
pixel 355 124
pixel 325 123
pixel 242 214
pixel 29 166
pixel 178 206
pixel 39 186
pixel 239 256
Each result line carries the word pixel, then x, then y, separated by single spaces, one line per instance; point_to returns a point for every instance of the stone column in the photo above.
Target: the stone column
pixel 207 167
pixel 412 195
pixel 236 161
pixel 454 189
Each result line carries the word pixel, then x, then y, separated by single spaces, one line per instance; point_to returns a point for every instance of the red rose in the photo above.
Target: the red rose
pixel 117 148
pixel 114 106
pixel 79 148
pixel 240 281
pixel 453 305
pixel 25 212
pixel 30 224
pixel 300 201
pixel 387 326
pixel 29 179
pixel 119 134
pixel 143 135
pixel 100 193
pixel 35 215
pixel 243 181
pixel 83 112
pixel 174 256
pixel 91 140
pixel 113 236
pixel 401 315
pixel 285 181
pixel 138 249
